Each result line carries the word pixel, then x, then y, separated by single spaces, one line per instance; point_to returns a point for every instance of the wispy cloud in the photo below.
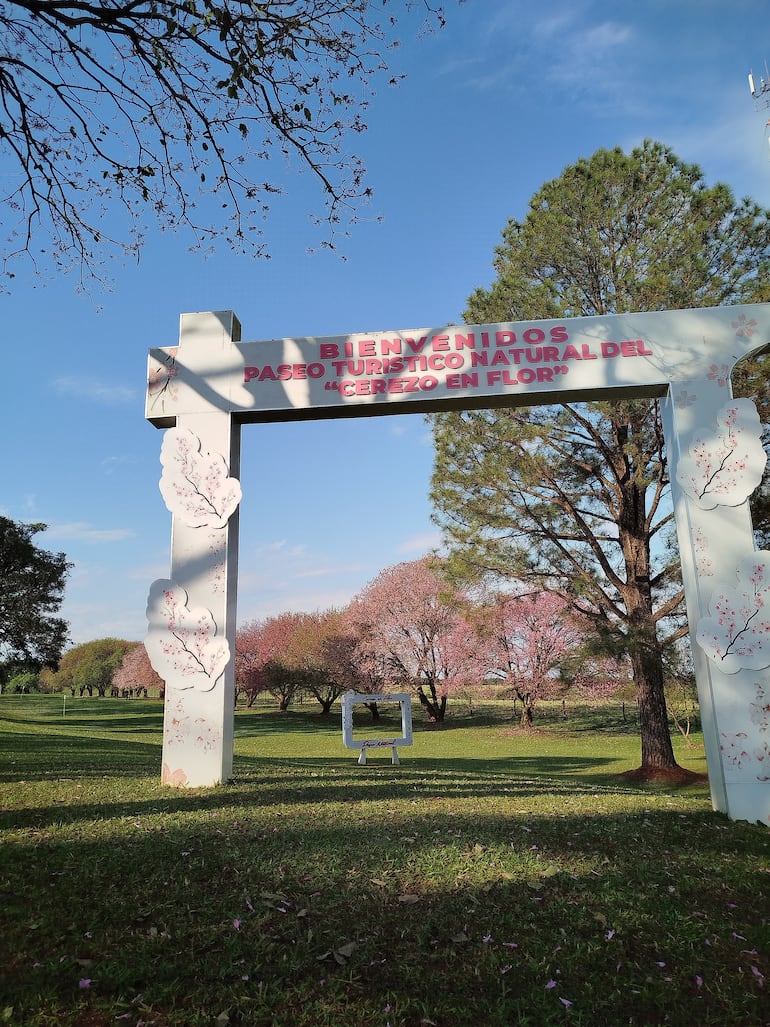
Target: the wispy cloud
pixel 150 571
pixel 591 53
pixel 28 510
pixel 418 545
pixel 569 46
pixel 329 570
pixel 114 463
pixel 91 388
pixel 280 547
pixel 83 532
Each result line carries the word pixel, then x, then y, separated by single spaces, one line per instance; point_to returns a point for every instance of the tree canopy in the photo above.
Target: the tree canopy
pixel 32 584
pixel 529 639
pixel 135 674
pixel 412 635
pixel 171 108
pixel 573 499
pixel 91 666
pixel 295 654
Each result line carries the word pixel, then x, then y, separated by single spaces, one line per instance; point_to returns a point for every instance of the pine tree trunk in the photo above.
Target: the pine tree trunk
pixel 647 664
pixel 646 654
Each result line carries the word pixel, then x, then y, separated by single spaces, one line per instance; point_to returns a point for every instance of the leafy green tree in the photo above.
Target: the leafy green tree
pixel 89 668
pixel 572 499
pixel 24 683
pixel 171 108
pixel 31 592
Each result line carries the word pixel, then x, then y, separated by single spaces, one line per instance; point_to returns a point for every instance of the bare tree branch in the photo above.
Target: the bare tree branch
pixel 122 112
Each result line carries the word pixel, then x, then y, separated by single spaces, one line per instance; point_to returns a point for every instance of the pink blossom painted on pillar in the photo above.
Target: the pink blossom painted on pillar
pixel 191 614
pixel 737 632
pixel 183 642
pixel 195 483
pixel 725 465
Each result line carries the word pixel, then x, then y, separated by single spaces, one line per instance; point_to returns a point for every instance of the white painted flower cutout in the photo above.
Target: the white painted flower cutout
pixel 182 643
pixel 723 467
pixel 195 483
pixel 736 635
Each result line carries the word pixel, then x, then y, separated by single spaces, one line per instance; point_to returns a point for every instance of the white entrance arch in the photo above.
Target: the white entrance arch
pixel 203 389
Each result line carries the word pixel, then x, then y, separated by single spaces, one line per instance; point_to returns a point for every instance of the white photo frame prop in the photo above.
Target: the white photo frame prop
pixel 350 699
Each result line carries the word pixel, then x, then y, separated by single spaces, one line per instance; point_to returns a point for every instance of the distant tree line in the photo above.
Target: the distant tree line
pixel 105 667
pixel 405 631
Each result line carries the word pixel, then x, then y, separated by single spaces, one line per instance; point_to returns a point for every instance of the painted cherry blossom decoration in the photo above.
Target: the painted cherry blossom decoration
pixel 723 467
pixel 751 755
pixel 195 483
pixel 182 643
pixel 161 380
pixel 736 635
pixel 175 778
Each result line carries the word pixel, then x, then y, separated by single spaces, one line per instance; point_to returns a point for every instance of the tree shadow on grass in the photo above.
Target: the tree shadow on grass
pixel 497 906
pixel 46 757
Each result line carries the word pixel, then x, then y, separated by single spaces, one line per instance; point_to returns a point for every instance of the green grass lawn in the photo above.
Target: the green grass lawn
pixel 491 879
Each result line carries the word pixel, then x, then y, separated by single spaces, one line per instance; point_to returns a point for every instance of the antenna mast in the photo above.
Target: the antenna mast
pixel 760 91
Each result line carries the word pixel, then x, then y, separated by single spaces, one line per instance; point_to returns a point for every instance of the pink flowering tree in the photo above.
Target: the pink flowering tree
pixel 136 676
pixel 362 670
pixel 527 639
pixel 599 678
pixel 410 635
pixel 262 659
pixel 317 653
pixel 313 653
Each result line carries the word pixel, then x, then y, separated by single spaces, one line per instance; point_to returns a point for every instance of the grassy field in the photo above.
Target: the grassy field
pixel 492 879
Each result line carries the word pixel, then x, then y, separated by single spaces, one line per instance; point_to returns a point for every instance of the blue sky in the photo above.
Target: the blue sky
pixel 494 105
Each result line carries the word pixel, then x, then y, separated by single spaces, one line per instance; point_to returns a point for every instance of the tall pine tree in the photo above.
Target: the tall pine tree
pixel 573 499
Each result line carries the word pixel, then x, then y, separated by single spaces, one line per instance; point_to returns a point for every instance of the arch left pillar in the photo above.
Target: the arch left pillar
pixel 192 614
